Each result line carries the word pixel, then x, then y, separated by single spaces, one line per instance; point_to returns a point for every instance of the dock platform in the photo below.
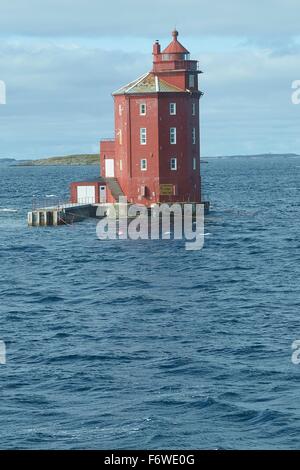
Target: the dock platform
pixel 64 214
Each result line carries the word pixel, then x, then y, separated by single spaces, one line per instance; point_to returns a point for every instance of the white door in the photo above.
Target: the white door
pixel 102 191
pixel 109 168
pixel 86 194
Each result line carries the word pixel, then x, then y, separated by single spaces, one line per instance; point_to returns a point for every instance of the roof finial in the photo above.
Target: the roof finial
pixel 175 34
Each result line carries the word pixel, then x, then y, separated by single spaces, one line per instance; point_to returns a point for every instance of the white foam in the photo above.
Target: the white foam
pixel 8 210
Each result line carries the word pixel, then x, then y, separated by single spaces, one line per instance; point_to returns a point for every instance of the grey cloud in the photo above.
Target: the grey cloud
pixel 59 98
pixel 60 76
pixel 149 19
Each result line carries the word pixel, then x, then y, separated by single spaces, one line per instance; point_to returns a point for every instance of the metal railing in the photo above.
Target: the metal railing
pixel 48 203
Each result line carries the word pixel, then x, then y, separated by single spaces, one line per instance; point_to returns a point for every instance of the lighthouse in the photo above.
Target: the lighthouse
pixel 154 156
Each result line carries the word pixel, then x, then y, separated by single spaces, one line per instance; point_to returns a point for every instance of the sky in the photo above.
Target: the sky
pixel 61 60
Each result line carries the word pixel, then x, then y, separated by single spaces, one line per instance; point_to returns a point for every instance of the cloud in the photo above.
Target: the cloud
pixel 151 19
pixel 59 96
pixel 247 103
pixel 59 78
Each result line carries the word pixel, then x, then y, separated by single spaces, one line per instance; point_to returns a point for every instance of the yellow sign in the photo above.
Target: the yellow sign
pixel 166 190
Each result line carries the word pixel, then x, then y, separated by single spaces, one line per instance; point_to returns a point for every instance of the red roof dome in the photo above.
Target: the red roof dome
pixel 175 47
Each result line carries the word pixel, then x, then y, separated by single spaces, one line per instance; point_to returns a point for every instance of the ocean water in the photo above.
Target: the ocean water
pixel 141 344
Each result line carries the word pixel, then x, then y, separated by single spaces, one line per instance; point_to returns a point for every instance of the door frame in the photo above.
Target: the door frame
pixel 109 167
pixel 102 191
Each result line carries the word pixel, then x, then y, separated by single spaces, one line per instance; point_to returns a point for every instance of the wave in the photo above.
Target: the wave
pixel 7 209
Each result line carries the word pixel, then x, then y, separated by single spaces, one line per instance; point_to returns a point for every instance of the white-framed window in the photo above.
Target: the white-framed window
pixel 172 108
pixel 191 80
pixel 144 164
pixel 121 165
pixel 194 135
pixel 173 163
pixel 194 164
pixel 173 136
pixel 193 109
pixel 143 109
pixel 120 110
pixel 143 136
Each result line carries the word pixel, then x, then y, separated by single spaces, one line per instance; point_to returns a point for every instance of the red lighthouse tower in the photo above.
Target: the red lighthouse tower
pixel 155 156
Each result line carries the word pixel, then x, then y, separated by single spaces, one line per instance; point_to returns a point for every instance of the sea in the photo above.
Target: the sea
pixel 141 344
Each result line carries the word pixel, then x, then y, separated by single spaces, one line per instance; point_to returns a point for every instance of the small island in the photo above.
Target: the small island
pixel 84 159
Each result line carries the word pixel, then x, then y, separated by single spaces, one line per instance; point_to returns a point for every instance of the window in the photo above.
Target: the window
pixel 193 109
pixel 173 162
pixel 191 80
pixel 173 109
pixel 143 109
pixel 194 135
pixel 143 136
pixel 194 164
pixel 121 165
pixel 144 164
pixel 173 135
pixel 120 136
pixel 120 110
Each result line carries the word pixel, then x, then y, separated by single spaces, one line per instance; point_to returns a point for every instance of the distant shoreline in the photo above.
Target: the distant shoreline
pixel 94 159
pixel 84 159
pixel 258 155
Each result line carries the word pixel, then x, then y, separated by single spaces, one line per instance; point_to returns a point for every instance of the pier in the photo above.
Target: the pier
pixel 61 214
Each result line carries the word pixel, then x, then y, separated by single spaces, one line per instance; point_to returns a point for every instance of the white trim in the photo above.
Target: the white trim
pixel 109 167
pixel 173 159
pixel 143 135
pixel 141 164
pixel 102 193
pixel 86 194
pixel 145 106
pixel 194 136
pixel 174 108
pixel 174 135
pixel 157 84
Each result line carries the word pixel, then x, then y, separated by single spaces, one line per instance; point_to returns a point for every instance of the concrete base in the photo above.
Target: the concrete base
pixel 64 216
